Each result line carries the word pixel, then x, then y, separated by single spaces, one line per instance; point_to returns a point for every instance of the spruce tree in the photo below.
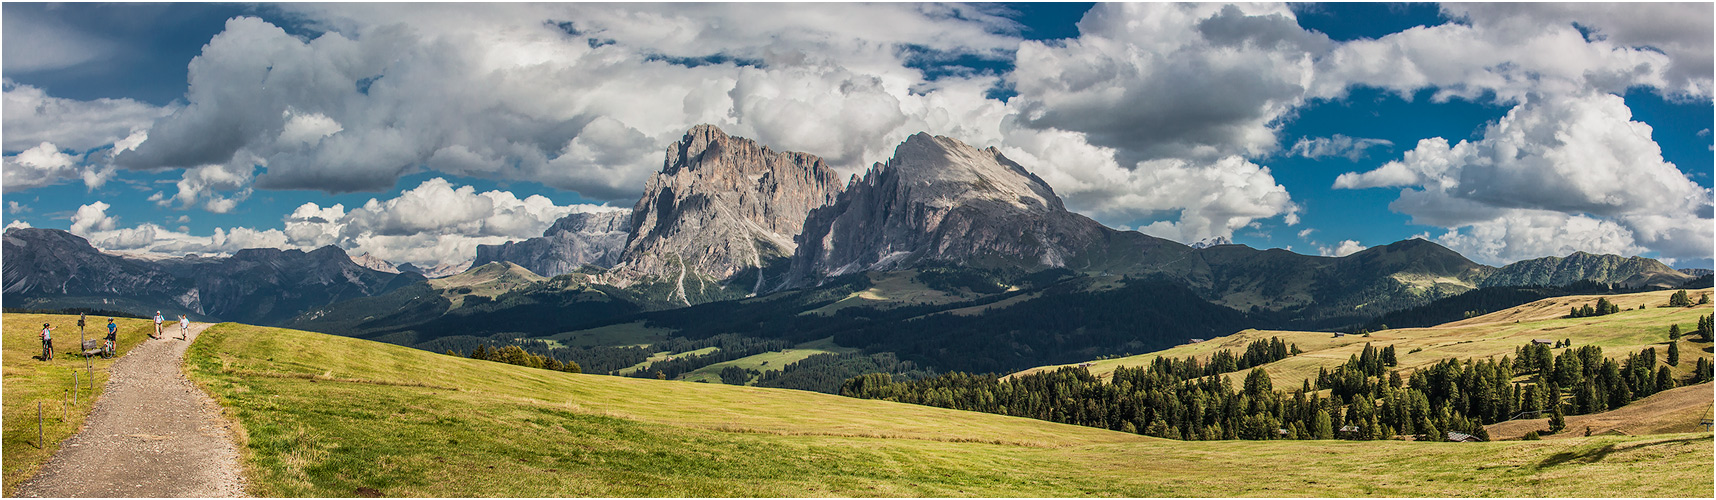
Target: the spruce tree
pixel 1673 354
pixel 1557 421
pixel 1674 332
pixel 1325 428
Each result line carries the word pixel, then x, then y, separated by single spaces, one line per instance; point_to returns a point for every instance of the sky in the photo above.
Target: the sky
pixel 415 132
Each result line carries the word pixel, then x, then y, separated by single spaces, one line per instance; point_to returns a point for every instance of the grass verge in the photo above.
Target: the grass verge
pixel 27 380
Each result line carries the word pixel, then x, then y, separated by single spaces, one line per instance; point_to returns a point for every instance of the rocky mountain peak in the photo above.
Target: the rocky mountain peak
pixel 376 263
pixel 940 199
pixel 947 172
pixel 576 240
pixel 722 204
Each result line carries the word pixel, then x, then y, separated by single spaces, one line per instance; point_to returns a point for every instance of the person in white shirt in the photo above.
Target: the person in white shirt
pixel 184 327
pixel 158 320
pixel 47 342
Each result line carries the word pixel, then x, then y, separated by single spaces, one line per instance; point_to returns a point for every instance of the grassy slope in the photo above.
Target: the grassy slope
pixel 1675 410
pixel 1491 335
pixel 327 415
pixel 662 356
pixel 772 360
pixel 27 380
pixel 622 334
pixel 891 290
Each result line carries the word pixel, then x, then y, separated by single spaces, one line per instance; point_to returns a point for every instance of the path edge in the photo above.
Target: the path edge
pixel 236 434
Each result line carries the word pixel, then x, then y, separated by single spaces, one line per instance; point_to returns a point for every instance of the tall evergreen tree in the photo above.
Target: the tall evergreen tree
pixel 1673 354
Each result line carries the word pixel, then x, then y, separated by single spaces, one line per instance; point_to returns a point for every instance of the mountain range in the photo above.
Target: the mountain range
pixel 940 229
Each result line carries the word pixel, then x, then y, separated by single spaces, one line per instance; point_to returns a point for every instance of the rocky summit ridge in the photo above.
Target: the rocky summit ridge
pixel 939 199
pixel 576 240
pixel 722 205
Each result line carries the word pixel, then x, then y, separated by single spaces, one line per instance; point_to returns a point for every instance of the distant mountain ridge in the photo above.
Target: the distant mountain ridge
pixel 574 241
pixel 727 218
pixel 48 268
pixel 1633 272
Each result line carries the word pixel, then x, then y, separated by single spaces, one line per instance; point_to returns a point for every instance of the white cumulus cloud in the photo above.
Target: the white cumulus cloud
pixel 1555 171
pixel 1342 249
pixel 436 222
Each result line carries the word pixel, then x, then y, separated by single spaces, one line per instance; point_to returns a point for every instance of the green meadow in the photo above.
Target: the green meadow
pixel 336 417
pixel 27 380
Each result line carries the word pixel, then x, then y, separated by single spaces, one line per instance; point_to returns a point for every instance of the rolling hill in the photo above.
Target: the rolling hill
pixel 333 416
pixel 1489 336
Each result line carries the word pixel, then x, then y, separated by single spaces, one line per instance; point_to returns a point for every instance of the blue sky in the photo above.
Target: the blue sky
pixel 174 128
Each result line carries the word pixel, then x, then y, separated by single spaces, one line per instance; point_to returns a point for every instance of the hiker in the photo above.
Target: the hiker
pixel 158 320
pixel 184 327
pixel 112 335
pixel 47 342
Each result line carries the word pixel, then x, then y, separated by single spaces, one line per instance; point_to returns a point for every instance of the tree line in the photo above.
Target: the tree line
pixel 515 355
pixel 1603 308
pixel 825 372
pixel 728 347
pixel 599 359
pixel 1175 398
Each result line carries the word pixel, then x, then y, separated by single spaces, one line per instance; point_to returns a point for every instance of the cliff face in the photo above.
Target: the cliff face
pixel 576 240
pixel 939 199
pixel 721 205
pixel 1637 272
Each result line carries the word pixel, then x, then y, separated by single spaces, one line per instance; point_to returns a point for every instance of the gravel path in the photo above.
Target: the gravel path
pixel 152 434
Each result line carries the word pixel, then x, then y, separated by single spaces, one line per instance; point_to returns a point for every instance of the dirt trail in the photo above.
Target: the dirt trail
pixel 152 434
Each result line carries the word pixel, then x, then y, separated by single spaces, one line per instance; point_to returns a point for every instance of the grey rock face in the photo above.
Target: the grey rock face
pixel 940 199
pixel 576 240
pixel 721 205
pixel 376 263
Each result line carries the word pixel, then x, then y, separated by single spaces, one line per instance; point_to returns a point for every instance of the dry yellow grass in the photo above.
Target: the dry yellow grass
pixel 1680 409
pixel 333 417
pixel 1493 335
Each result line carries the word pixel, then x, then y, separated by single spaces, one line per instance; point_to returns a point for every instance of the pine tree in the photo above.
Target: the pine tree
pixel 1388 358
pixel 1325 428
pixel 1674 332
pixel 1673 354
pixel 1679 299
pixel 1557 421
pixel 1664 379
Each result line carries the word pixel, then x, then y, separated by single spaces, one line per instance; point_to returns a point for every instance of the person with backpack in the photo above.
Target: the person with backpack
pixel 184 327
pixel 158 320
pixel 47 342
pixel 112 335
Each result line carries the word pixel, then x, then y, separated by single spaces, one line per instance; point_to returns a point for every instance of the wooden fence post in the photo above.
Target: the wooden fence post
pixel 38 424
pixel 74 387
